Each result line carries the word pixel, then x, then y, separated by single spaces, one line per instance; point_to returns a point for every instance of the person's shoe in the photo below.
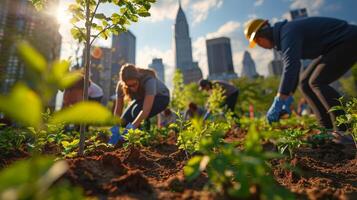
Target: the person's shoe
pixel 340 137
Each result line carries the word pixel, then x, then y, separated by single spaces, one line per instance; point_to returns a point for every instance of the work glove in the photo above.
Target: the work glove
pixel 275 110
pixel 116 137
pixel 287 104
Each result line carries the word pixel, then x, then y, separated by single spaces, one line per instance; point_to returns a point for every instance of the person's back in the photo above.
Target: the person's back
pixel 311 36
pixel 228 88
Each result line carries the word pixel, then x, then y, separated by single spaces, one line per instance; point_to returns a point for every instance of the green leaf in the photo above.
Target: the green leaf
pixel 59 69
pixel 26 171
pixel 84 112
pixel 100 16
pixel 192 169
pixel 22 105
pixel 32 58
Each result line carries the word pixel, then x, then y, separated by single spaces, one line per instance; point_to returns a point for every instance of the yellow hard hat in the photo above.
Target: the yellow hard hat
pixel 251 28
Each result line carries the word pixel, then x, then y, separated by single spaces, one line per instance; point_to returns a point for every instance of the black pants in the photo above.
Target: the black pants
pixel 231 101
pixel 133 110
pixel 315 80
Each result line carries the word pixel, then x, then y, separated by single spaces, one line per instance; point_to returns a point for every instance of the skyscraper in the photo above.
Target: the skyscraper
pixel 298 13
pixel 20 20
pixel 158 66
pixel 123 51
pixel 249 69
pixel 101 71
pixel 220 61
pixel 275 67
pixel 183 49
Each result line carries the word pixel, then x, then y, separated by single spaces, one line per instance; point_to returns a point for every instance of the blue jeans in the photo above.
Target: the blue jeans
pixel 133 110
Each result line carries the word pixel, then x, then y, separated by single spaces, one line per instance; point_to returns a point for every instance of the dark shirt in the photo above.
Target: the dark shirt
pixel 307 38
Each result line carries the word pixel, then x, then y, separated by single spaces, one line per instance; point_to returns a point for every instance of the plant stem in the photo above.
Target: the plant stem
pixel 88 25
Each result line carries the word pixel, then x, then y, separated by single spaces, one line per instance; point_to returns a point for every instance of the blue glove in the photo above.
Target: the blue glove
pixel 116 137
pixel 275 110
pixel 287 104
pixel 128 127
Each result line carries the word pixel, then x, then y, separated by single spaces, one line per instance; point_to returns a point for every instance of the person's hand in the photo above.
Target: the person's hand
pixel 116 137
pixel 287 104
pixel 275 110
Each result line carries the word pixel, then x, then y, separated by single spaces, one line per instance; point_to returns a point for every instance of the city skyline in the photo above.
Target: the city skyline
pixel 213 18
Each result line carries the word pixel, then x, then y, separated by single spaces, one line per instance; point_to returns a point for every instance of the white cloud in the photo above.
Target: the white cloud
pixel 258 2
pixel 313 6
pixel 146 54
pixel 201 9
pixel 165 9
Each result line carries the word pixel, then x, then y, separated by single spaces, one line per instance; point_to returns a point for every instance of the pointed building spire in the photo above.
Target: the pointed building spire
pixel 179 3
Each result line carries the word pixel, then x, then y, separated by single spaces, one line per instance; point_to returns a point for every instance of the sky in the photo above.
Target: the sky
pixel 208 19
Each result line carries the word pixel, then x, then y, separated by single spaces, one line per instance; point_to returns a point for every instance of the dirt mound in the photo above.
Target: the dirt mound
pixel 327 172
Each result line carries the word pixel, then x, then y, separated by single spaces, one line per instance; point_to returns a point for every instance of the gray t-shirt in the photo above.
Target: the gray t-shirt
pixel 228 88
pixel 151 86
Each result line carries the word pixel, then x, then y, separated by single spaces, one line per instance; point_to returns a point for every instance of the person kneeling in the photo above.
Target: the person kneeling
pixel 149 97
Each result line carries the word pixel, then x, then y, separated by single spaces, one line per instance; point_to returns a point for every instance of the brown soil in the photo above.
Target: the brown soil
pixel 328 171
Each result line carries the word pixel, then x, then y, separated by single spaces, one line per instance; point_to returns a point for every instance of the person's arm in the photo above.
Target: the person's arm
pixel 292 50
pixel 144 114
pixel 119 104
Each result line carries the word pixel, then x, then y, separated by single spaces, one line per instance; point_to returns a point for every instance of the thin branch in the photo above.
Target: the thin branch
pixel 95 10
pixel 102 31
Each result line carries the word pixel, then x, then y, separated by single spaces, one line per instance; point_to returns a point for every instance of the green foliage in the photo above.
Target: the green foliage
pixel 179 99
pixel 84 112
pixel 183 94
pixel 102 24
pixel 350 116
pixel 134 138
pixel 69 147
pixel 35 179
pixel 216 100
pixel 12 139
pixel 234 173
pixel 29 102
pixel 290 140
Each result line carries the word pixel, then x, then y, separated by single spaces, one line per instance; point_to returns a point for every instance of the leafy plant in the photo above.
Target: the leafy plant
pixel 234 173
pixel 134 138
pixel 35 179
pixel 290 140
pixel 349 119
pixel 12 139
pixel 215 100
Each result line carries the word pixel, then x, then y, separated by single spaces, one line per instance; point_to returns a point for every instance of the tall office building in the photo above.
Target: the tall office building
pixel 220 61
pixel 298 13
pixel 123 51
pixel 183 49
pixel 19 20
pixel 275 67
pixel 158 66
pixel 101 71
pixel 249 69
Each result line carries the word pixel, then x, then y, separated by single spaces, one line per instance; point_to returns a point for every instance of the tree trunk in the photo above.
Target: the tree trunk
pixel 86 76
